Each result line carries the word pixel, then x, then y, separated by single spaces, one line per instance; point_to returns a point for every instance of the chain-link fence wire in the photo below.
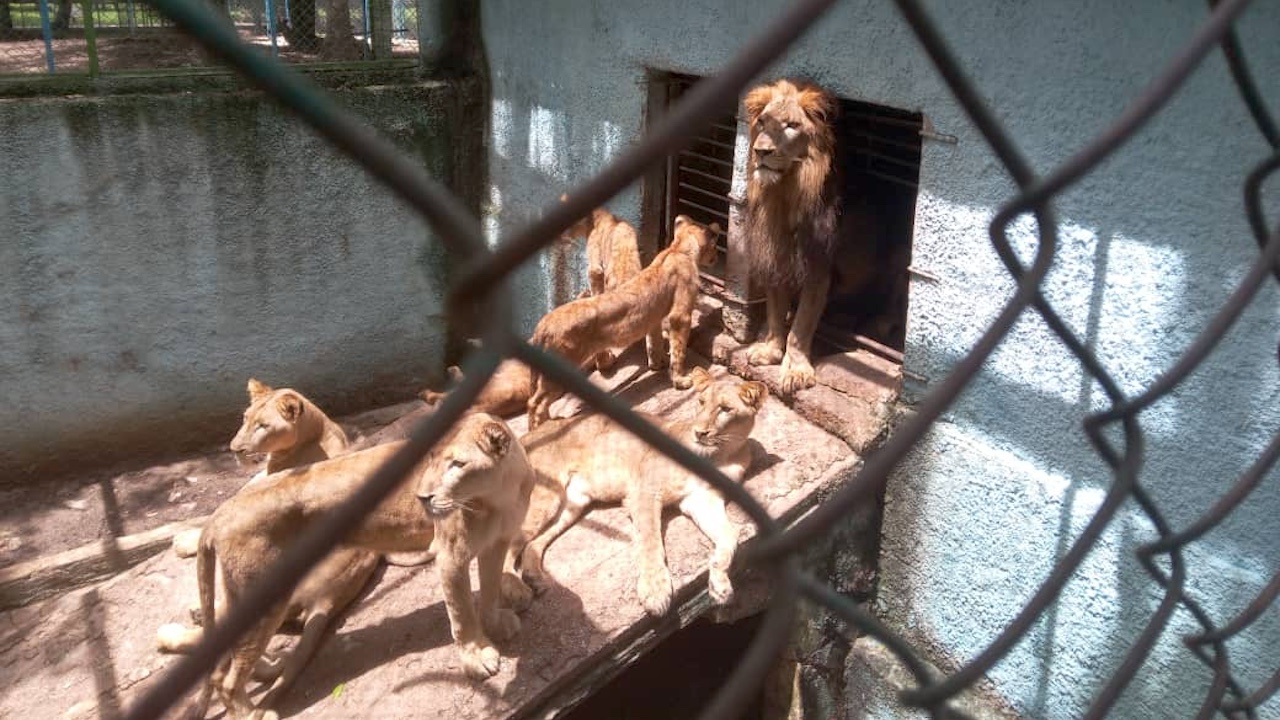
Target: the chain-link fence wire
pixel 482 292
pixel 92 36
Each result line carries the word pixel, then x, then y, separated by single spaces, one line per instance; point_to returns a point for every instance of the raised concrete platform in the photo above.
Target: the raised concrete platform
pixel 89 652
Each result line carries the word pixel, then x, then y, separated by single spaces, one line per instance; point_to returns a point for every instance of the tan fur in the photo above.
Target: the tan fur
pixel 613 258
pixel 506 393
pixel 274 419
pixel 656 303
pixel 476 484
pixel 595 460
pixel 288 428
pixel 792 219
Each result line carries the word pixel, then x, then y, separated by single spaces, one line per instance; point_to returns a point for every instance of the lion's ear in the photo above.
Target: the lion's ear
pixel 495 439
pixel 714 229
pixel 818 105
pixel 290 406
pixel 755 102
pixel 700 377
pixel 257 389
pixel 753 393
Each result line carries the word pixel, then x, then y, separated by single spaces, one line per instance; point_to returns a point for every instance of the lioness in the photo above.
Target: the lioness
pixel 286 427
pixel 797 233
pixel 473 488
pixel 596 460
pixel 613 258
pixel 295 432
pixel 656 303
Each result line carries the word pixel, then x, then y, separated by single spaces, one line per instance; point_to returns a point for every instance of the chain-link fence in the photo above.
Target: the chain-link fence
pixel 94 36
pixel 481 292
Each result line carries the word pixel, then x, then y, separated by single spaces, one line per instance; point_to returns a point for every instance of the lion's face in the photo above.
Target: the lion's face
pixel 467 465
pixel 271 421
pixel 786 119
pixel 726 412
pixel 694 238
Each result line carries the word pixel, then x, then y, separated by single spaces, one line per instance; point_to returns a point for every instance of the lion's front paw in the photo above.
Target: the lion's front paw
pixel 605 360
pixel 719 587
pixel 532 571
pixel 764 353
pixel 654 590
pixel 515 593
pixel 657 361
pixel 501 624
pixel 681 382
pixel 797 374
pixel 410 559
pixel 480 662
pixel 186 542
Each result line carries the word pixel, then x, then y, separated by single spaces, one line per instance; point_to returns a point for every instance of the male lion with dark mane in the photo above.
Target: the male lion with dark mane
pixel 797 235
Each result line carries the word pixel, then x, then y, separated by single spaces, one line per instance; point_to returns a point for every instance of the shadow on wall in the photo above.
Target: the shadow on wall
pixel 983 509
pixel 164 248
pixel 537 153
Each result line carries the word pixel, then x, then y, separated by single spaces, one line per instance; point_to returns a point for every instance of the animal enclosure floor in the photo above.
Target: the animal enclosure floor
pixel 90 652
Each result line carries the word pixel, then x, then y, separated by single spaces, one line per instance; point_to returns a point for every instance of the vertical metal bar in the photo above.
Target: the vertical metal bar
pixel 90 37
pixel 132 15
pixel 47 29
pixel 368 29
pixel 271 26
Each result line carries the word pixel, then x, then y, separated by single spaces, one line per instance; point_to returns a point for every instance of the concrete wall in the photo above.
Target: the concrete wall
pixel 1152 244
pixel 160 249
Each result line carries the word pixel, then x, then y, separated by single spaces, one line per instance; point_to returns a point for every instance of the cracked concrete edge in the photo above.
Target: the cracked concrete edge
pixel 44 577
pixel 875 677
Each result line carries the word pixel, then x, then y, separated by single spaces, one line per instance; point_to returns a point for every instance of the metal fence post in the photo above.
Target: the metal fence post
pixel 91 35
pixel 271 26
pixel 48 35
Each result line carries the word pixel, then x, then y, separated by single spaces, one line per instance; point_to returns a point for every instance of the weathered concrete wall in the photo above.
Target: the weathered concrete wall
pixel 1152 245
pixel 160 249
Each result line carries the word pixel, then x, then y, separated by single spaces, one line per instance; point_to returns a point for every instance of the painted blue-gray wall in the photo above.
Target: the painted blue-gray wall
pixel 160 249
pixel 1152 244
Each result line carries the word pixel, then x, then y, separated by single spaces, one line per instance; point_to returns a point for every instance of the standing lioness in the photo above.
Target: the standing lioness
pixel 476 470
pixel 595 460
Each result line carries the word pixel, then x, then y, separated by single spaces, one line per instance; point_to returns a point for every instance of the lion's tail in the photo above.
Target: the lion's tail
pixel 206 564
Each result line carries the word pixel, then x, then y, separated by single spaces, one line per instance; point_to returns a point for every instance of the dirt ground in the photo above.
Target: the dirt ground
pixel 88 653
pixel 45 518
pixel 149 48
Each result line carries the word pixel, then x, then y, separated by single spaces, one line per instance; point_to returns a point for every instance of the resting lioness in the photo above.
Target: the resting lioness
pixel 596 460
pixel 655 304
pixel 286 427
pixel 295 432
pixel 476 467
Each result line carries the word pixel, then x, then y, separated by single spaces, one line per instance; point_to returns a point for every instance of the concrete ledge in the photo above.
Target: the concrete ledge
pixel 874 677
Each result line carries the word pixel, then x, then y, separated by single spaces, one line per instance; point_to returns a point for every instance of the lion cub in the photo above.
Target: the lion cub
pixel 596 460
pixel 471 492
pixel 613 258
pixel 656 303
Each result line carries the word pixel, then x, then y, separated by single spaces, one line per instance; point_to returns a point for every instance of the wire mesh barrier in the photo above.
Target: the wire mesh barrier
pixel 92 36
pixel 482 292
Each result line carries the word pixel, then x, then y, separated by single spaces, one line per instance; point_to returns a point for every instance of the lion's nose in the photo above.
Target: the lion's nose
pixel 701 433
pixel 764 151
pixel 426 499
